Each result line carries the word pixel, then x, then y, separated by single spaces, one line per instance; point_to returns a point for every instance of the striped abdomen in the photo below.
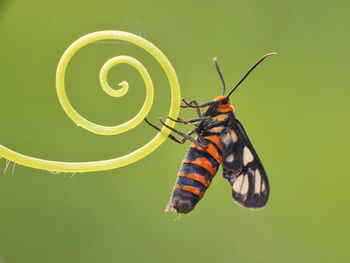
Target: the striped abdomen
pixel 198 169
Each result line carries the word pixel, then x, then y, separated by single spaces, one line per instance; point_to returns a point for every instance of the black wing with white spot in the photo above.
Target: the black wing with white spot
pixel 243 168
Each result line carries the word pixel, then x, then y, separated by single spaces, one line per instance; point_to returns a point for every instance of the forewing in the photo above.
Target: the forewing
pixel 232 150
pixel 245 172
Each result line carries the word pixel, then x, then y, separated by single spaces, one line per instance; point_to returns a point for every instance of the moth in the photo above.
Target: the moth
pixel 221 139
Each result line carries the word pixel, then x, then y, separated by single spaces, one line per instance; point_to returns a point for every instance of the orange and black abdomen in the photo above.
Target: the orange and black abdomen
pixel 198 169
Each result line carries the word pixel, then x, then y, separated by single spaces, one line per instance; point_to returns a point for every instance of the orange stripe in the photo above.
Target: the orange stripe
pixel 217 129
pixel 211 150
pixel 193 190
pixel 196 177
pixel 219 98
pixel 214 152
pixel 220 117
pixel 226 108
pixel 215 139
pixel 234 135
pixel 203 162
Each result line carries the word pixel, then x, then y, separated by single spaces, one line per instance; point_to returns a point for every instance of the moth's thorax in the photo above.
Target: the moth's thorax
pixel 227 107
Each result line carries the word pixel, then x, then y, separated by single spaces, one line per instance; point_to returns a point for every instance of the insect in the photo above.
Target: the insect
pixel 221 139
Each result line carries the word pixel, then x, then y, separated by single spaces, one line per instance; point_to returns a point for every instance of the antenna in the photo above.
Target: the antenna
pixel 250 70
pixel 220 74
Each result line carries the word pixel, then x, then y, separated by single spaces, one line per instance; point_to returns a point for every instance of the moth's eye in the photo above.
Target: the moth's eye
pixel 224 101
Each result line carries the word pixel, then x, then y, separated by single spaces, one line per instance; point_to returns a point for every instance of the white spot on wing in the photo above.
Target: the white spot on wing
pixel 245 185
pixel 263 186
pixel 247 156
pixel 257 181
pixel 230 158
pixel 226 139
pixel 238 184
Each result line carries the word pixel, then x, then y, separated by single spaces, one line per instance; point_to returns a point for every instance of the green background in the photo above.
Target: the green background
pixel 294 108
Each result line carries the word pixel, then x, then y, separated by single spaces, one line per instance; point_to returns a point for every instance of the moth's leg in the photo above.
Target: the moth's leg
pixel 201 139
pixel 184 138
pixel 202 144
pixel 212 125
pixel 205 104
pixel 189 121
pixel 171 136
pixel 189 104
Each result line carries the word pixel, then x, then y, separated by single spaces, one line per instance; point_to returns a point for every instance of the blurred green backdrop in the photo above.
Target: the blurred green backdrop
pixel 294 107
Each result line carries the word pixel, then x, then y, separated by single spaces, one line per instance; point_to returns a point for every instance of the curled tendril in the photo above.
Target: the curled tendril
pixel 108 130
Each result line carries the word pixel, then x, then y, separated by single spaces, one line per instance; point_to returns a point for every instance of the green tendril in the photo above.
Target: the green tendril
pixel 108 130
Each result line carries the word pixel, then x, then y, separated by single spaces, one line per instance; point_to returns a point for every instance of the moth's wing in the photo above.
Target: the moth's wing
pixel 245 172
pixel 232 151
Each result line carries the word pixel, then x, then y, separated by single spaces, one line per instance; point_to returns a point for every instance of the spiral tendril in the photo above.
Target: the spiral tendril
pixel 108 130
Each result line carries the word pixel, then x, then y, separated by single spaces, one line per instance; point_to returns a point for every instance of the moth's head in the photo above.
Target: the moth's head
pixel 224 104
